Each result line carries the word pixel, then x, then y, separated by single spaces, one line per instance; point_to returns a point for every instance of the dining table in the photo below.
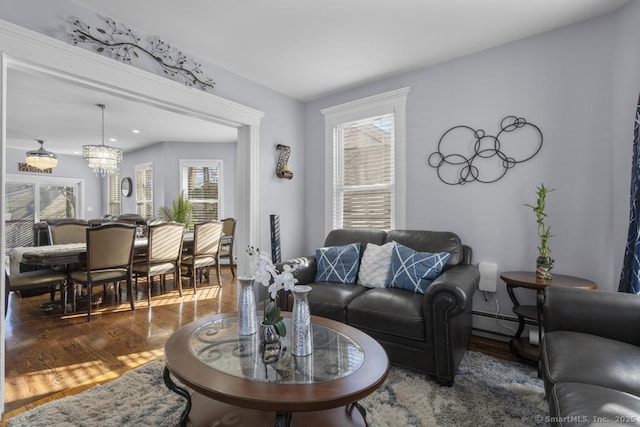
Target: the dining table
pixel 65 255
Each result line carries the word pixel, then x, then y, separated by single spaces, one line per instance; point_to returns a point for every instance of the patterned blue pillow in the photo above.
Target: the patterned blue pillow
pixel 414 271
pixel 338 263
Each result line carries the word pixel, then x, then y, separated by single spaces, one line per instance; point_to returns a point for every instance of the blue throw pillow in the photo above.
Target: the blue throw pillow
pixel 338 263
pixel 414 271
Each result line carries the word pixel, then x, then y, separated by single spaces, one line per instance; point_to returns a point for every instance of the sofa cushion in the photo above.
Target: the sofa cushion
pixel 430 241
pixel 338 263
pixel 388 311
pixel 375 265
pixel 600 361
pixel 582 404
pixel 330 300
pixel 344 236
pixel 412 270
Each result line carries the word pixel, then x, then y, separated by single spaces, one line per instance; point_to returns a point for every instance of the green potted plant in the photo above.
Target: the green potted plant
pixel 272 317
pixel 544 262
pixel 180 211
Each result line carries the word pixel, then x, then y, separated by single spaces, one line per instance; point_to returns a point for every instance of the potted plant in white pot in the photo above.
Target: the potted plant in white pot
pixel 544 262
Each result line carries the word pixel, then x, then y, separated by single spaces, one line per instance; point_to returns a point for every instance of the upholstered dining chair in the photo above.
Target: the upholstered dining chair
pixel 109 259
pixel 67 232
pixel 35 280
pixel 206 251
pixel 226 245
pixel 164 251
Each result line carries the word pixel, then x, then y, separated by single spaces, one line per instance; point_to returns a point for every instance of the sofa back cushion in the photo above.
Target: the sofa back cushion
pixel 430 241
pixel 344 236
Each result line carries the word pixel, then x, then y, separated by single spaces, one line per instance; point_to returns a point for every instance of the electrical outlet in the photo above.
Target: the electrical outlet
pixel 488 276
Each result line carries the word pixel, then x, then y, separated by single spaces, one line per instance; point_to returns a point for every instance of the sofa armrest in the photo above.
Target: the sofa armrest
pixel 306 272
pixel 602 313
pixel 446 308
pixel 457 285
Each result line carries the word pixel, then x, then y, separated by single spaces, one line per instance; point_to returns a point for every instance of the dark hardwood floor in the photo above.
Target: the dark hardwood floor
pixel 49 356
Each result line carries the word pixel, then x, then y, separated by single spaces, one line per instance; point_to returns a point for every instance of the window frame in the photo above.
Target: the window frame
pixel 393 102
pixel 138 168
pixel 114 180
pixel 216 163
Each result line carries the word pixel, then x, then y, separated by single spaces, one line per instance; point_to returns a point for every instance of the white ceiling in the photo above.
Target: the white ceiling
pixel 301 48
pixel 308 48
pixel 66 116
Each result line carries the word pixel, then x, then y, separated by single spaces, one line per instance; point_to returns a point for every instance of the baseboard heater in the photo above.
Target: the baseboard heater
pixel 513 321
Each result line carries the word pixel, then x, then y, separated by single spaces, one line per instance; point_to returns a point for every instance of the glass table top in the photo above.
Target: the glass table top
pixel 218 345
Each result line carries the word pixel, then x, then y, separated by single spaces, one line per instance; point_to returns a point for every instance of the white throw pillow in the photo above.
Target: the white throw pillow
pixel 375 265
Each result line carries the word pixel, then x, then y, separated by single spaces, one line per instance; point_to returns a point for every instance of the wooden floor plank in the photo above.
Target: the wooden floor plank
pixel 49 356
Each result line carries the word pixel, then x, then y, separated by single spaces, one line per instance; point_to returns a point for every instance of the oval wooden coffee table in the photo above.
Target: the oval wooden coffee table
pixel 237 381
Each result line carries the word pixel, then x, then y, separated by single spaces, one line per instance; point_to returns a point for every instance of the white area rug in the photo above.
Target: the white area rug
pixel 487 392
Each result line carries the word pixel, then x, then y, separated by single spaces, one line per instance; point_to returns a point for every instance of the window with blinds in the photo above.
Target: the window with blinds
pixel 144 191
pixel 201 183
pixel 32 199
pixel 364 168
pixel 114 195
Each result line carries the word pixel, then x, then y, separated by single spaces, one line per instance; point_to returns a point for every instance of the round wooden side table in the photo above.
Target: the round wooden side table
pixel 528 280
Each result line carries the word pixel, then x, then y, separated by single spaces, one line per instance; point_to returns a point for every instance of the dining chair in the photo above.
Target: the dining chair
pixel 226 245
pixel 206 251
pixel 109 259
pixel 67 232
pixel 163 254
pixel 36 279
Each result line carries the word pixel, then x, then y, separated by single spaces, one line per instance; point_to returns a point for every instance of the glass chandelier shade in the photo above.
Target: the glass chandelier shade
pixel 102 159
pixel 41 158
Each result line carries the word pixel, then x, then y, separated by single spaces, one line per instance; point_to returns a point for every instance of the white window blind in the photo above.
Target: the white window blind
pixel 144 191
pixel 32 199
pixel 364 166
pixel 114 195
pixel 365 162
pixel 201 183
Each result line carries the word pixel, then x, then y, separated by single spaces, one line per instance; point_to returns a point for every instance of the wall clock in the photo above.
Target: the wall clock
pixel 126 187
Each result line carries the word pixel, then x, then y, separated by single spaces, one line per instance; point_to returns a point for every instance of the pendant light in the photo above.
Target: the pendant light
pixel 102 159
pixel 41 158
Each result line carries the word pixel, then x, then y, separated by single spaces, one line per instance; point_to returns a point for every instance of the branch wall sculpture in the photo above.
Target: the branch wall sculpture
pixel 465 167
pixel 120 42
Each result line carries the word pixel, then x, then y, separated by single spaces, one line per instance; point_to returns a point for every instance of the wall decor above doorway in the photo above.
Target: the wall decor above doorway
pixel 118 41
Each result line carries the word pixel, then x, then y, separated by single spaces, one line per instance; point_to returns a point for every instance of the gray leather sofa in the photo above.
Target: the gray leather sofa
pixel 429 332
pixel 590 356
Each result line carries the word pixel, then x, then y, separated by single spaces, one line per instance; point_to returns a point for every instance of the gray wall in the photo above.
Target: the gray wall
pixel 579 85
pixel 282 123
pixel 166 157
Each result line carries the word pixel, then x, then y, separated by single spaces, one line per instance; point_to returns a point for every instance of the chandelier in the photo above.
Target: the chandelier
pixel 102 159
pixel 41 158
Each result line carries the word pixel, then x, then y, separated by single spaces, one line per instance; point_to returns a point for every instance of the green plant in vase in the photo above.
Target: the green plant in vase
pixel 544 262
pixel 272 317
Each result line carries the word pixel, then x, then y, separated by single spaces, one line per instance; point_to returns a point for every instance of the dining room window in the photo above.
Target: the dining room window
pixel 34 199
pixel 201 181
pixel 115 201
pixel 144 190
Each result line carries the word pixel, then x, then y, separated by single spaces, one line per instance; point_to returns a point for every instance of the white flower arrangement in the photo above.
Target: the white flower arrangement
pixel 265 273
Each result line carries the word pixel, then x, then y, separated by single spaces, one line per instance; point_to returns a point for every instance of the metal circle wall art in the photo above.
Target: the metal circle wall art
pixel 465 154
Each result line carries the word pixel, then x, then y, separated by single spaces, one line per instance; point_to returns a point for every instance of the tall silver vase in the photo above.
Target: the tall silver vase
pixel 247 320
pixel 302 335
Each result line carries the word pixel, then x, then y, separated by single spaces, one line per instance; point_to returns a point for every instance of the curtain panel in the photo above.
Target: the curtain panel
pixel 630 276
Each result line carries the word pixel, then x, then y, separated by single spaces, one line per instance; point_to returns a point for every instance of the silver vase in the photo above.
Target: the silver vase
pixel 302 335
pixel 247 320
